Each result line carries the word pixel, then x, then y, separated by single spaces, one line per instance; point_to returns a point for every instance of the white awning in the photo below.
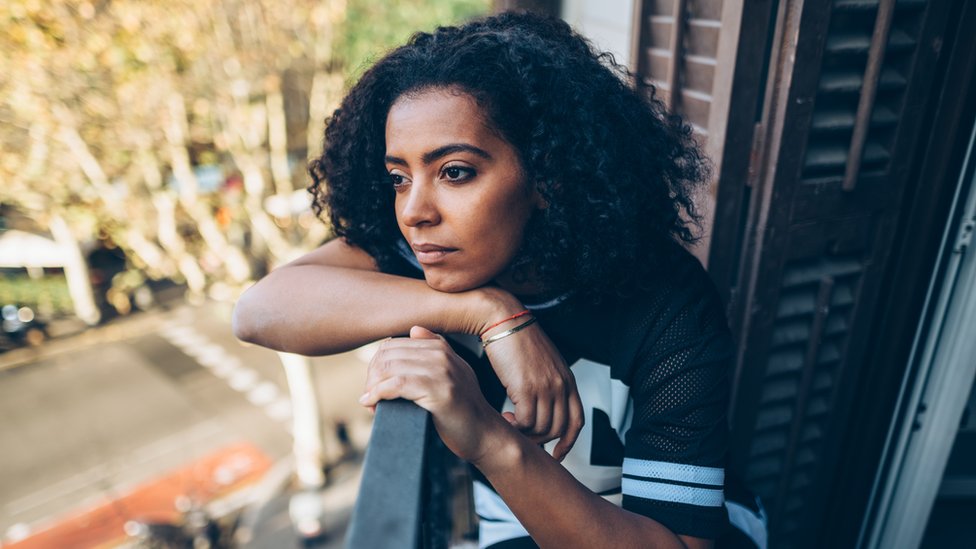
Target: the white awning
pixel 23 249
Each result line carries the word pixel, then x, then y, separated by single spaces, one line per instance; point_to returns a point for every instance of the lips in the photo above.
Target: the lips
pixel 428 254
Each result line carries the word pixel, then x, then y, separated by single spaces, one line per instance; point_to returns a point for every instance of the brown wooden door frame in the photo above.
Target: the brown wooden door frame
pixel 747 49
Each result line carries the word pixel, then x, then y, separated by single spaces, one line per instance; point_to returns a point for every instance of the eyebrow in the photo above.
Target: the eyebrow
pixel 430 157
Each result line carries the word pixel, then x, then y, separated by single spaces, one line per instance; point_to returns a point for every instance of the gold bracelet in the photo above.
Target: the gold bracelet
pixel 506 333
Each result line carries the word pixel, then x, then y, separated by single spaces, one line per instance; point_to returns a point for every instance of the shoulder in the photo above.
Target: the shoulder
pixel 679 308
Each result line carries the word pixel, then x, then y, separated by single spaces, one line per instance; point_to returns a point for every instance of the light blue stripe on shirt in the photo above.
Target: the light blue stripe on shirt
pixel 679 472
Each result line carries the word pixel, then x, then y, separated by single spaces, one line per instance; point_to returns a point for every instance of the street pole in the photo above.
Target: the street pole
pixel 307 432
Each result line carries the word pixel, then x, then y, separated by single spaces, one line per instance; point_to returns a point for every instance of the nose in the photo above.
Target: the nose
pixel 418 205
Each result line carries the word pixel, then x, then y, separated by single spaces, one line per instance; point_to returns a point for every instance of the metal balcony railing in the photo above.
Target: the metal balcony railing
pixel 405 493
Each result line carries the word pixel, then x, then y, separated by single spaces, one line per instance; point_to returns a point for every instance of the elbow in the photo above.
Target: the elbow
pixel 243 321
pixel 253 321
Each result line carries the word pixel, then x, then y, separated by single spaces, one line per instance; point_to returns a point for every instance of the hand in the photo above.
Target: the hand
pixel 540 385
pixel 423 368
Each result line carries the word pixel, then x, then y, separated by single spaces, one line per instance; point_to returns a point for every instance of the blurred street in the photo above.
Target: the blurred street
pixel 91 418
pixel 151 153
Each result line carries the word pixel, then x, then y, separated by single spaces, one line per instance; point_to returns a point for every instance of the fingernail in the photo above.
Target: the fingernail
pixel 364 398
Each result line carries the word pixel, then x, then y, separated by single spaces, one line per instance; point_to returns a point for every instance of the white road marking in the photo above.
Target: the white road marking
pixel 184 338
pixel 17 532
pixel 243 380
pixel 227 369
pixel 264 393
pixel 224 365
pixel 279 410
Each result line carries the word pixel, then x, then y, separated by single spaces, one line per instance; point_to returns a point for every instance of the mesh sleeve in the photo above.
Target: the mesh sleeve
pixel 675 449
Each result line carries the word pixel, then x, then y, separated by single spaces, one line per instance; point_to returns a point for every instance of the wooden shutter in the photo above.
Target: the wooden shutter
pixel 678 48
pixel 845 90
pixel 676 52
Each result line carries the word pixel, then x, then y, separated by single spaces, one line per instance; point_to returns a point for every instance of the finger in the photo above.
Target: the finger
pixel 404 363
pixel 411 343
pixel 374 372
pixel 419 332
pixel 399 348
pixel 575 425
pixel 379 362
pixel 510 418
pixel 543 421
pixel 525 415
pixel 410 387
pixel 560 417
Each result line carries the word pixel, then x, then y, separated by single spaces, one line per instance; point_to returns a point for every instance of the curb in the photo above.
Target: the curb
pixel 116 330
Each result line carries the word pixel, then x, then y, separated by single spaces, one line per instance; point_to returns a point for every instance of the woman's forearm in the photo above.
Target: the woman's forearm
pixel 557 510
pixel 317 309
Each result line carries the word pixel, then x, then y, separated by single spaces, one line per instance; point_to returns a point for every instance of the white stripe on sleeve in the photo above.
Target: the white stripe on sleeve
pixel 679 472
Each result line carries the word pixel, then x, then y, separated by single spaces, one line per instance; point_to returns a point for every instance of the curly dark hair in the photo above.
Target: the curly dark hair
pixel 615 168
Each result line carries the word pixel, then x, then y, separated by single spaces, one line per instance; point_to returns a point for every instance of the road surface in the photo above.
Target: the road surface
pixel 91 419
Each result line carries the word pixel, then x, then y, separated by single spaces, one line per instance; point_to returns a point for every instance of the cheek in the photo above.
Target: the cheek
pixel 518 210
pixel 507 231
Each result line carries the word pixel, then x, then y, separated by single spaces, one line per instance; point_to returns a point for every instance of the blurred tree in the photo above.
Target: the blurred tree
pixel 372 27
pixel 181 128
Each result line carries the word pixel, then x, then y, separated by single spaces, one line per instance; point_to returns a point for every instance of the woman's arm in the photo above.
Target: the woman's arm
pixel 334 299
pixel 556 509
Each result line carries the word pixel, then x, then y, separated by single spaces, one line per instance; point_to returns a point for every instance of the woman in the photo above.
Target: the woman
pixel 501 184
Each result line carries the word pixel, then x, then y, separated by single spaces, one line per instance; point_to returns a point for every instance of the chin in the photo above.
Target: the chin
pixel 451 285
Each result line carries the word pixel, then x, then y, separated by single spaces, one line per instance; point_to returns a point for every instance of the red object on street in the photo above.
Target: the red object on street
pixel 204 480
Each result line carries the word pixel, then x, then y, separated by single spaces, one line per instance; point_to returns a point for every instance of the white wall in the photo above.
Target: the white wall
pixel 608 23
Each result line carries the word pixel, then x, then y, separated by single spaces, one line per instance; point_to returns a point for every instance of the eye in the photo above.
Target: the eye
pixel 398 180
pixel 457 173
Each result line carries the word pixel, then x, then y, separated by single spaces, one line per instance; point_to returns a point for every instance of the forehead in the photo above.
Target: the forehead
pixel 437 116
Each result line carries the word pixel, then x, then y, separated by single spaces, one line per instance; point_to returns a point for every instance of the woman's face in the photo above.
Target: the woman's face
pixel 462 201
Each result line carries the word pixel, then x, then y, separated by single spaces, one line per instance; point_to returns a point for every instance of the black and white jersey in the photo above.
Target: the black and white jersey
pixel 653 375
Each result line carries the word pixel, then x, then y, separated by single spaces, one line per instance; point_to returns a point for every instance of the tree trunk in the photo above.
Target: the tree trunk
pixel 306 429
pixel 278 137
pixel 76 272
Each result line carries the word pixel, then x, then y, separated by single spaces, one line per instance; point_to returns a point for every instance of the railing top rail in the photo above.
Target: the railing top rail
pixel 389 509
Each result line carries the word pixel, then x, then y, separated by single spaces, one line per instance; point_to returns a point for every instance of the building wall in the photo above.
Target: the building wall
pixel 608 23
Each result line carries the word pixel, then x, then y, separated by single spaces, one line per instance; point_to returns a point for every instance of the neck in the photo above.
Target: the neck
pixel 526 288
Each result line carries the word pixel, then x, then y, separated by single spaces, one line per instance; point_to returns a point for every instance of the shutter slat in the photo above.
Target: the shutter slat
pixel 849 44
pixel 871 5
pixel 843 121
pixel 833 158
pixel 849 82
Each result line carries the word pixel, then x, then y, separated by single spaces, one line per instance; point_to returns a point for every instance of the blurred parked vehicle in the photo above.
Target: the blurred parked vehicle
pixel 21 327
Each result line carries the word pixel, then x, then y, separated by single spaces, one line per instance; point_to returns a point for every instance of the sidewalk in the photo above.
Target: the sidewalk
pixel 269 524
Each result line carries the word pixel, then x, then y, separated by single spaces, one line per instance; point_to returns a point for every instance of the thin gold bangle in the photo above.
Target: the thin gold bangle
pixel 506 333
